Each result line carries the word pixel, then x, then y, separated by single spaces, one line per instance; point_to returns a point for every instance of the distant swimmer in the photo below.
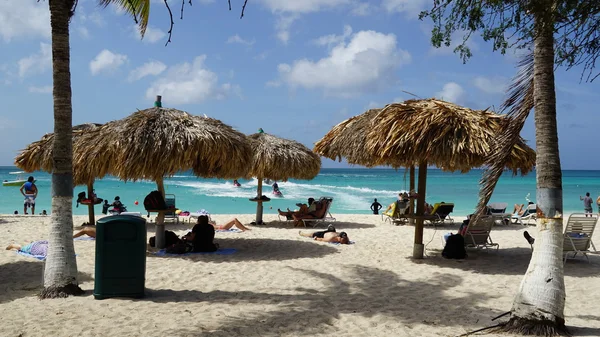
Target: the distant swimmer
pixel 236 183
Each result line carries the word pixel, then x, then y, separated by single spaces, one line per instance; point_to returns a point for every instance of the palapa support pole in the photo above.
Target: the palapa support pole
pixel 419 248
pixel 90 193
pixel 411 205
pixel 160 219
pixel 259 203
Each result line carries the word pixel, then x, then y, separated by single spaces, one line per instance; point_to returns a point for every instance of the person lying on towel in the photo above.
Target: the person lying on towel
pixel 329 235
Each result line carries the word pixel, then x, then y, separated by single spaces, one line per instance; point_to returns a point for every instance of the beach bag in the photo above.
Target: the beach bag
pixel 80 197
pixel 154 201
pixel 455 247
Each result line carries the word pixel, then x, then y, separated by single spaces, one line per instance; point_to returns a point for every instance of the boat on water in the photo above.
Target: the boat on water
pixel 18 181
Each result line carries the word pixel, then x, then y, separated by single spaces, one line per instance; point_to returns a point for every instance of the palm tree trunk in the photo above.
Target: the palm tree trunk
pixel 60 274
pixel 538 307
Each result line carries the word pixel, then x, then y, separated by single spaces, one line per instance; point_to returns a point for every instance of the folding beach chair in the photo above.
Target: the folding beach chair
pixel 498 211
pixel 171 204
pixel 327 217
pixel 478 234
pixel 395 214
pixel 440 213
pixel 578 235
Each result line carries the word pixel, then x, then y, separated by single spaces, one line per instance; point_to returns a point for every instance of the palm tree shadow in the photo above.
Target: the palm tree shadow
pixel 375 292
pixel 24 278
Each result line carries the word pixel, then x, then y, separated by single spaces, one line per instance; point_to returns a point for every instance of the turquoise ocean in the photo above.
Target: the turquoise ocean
pixel 353 190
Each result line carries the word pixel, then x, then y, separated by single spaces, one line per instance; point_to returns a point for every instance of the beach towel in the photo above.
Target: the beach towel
pixel 231 230
pixel 220 251
pixel 85 238
pixel 39 257
pixel 337 243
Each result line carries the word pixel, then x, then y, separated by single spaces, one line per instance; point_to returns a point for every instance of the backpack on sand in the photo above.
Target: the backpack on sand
pixel 455 247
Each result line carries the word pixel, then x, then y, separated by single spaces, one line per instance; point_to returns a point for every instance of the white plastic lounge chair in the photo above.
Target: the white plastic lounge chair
pixel 578 235
pixel 478 234
pixel 528 217
pixel 394 215
pixel 498 211
pixel 327 217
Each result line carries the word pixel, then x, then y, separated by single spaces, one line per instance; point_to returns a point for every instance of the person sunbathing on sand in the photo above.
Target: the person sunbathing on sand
pixel 40 247
pixel 235 222
pixel 329 235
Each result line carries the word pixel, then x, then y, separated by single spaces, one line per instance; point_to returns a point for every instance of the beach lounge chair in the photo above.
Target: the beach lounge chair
pixel 171 204
pixel 327 217
pixel 578 235
pixel 395 214
pixel 528 217
pixel 498 211
pixel 478 234
pixel 440 213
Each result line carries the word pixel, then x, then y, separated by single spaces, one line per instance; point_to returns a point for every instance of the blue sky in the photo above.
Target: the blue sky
pixel 293 68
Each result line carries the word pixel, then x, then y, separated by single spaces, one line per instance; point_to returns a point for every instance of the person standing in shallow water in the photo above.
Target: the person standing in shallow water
pixel 587 204
pixel 375 207
pixel 29 191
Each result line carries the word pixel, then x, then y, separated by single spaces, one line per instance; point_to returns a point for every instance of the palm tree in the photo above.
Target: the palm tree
pixel 60 273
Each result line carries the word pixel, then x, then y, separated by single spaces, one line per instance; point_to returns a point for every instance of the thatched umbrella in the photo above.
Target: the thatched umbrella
pixel 158 142
pixel 279 159
pixel 86 168
pixel 431 132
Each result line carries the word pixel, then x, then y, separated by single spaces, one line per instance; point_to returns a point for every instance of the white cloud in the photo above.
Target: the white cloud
pixel 411 8
pixel 24 19
pixel 451 92
pixel 367 62
pixel 495 85
pixel 187 83
pixel 328 40
pixel 36 63
pixel 290 11
pixel 261 56
pixel 237 39
pixel 273 84
pixel 362 9
pixel 83 32
pixel 152 68
pixel 47 89
pixel 107 61
pixel 152 34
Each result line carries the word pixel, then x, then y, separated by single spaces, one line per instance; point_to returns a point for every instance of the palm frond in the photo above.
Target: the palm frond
pixel 518 103
pixel 138 9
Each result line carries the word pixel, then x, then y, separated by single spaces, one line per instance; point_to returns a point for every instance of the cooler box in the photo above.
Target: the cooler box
pixel 120 269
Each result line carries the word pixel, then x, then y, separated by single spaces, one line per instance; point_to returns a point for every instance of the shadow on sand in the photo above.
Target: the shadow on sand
pixel 255 249
pixel 24 278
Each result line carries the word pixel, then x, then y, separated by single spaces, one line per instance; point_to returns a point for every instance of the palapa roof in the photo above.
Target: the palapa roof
pixel 280 159
pixel 158 142
pixel 440 133
pixel 38 156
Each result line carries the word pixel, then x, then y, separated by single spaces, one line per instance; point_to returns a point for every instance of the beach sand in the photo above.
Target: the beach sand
pixel 280 284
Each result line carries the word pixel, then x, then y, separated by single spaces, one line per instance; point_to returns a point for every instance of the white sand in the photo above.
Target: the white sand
pixel 281 284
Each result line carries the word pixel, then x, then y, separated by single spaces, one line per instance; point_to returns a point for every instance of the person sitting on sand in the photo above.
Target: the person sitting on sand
pixel 304 209
pixel 329 235
pixel 202 236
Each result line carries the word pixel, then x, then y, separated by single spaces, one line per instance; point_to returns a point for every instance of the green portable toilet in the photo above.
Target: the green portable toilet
pixel 120 269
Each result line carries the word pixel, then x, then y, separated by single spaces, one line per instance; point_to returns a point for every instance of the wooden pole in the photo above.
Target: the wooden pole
pixel 419 248
pixel 160 219
pixel 259 203
pixel 90 193
pixel 411 205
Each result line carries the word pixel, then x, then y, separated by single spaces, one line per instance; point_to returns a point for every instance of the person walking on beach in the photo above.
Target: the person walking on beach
pixel 587 204
pixel 375 207
pixel 29 191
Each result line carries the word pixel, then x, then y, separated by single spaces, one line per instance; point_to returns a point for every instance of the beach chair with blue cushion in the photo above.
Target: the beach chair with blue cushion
pixel 396 213
pixel 327 217
pixel 578 235
pixel 170 202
